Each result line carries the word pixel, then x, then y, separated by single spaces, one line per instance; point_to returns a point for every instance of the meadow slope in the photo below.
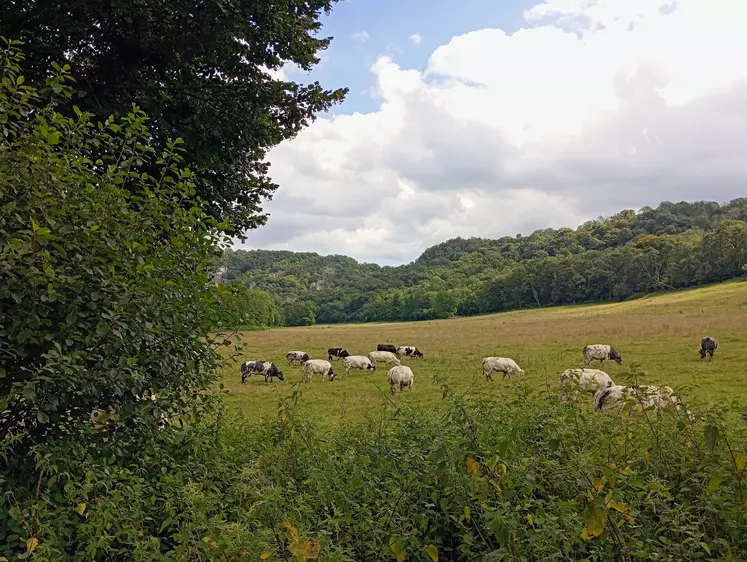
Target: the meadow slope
pixel 660 334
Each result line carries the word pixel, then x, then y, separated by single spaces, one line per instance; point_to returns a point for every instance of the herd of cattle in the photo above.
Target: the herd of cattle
pixel 607 394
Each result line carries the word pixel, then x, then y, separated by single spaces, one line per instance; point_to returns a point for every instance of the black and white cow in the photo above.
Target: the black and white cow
pixel 409 351
pixel 386 347
pixel 337 353
pixel 268 369
pixel 246 370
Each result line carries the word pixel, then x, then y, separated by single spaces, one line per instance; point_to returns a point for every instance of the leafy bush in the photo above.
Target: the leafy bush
pixel 525 477
pixel 105 298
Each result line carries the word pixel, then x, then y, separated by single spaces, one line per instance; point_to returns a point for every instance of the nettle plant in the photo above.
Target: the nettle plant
pixel 106 296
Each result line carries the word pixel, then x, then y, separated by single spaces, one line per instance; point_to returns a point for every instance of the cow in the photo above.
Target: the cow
pixel 337 353
pixel 409 351
pixel 400 377
pixel 601 353
pixel 317 367
pixel 300 356
pixel 246 370
pixel 500 365
pixel 708 346
pixel 384 357
pixel 268 369
pixel 386 347
pixel 358 362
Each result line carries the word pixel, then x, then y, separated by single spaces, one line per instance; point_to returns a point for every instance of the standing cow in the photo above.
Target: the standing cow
pixel 708 346
pixel 268 369
pixel 300 356
pixel 601 353
pixel 337 353
pixel 409 351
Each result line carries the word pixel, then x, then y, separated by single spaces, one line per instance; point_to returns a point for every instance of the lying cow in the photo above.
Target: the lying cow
pixel 613 398
pixel 386 347
pixel 409 351
pixel 268 369
pixel 601 353
pixel 300 356
pixel 573 381
pixel 337 353
pixel 708 346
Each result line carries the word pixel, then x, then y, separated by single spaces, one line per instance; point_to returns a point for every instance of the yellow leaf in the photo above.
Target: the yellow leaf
pixel 81 509
pixel 435 480
pixel 599 484
pixel 740 461
pixel 291 529
pixel 31 544
pixel 646 456
pixel 266 554
pixel 432 552
pixel 620 507
pixel 530 519
pixel 398 548
pixel 467 513
pixel 223 557
pixel 504 468
pixel 3 559
pixel 473 467
pixel 594 519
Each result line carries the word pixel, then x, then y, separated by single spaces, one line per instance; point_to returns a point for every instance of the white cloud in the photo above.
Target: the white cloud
pixel 416 39
pixel 361 36
pixel 599 105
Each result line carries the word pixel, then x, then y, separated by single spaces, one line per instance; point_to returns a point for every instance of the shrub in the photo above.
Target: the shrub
pixel 104 299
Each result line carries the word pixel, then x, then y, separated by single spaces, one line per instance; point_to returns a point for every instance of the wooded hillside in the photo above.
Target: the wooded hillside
pixel 675 245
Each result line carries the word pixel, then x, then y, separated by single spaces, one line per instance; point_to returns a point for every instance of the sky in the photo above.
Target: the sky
pixel 496 117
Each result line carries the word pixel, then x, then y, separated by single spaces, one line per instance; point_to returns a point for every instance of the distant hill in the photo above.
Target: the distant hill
pixel 672 246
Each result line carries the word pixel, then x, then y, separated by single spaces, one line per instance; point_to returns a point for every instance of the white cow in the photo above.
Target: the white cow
pixel 601 353
pixel 317 367
pixel 299 356
pixel 503 365
pixel 613 398
pixel 358 362
pixel 573 381
pixel 400 377
pixel 384 357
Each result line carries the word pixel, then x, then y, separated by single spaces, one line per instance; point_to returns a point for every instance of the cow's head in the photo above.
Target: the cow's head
pixel 371 367
pixel 417 353
pixel 332 375
pixel 280 375
pixel 615 356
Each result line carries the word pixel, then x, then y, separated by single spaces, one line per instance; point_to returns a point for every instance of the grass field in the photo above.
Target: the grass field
pixel 661 334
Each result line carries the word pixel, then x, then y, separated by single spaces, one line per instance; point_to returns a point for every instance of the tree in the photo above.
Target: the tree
pixel 299 313
pixel 105 291
pixel 200 70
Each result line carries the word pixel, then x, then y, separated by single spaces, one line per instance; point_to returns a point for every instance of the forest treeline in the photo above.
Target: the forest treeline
pixel 675 245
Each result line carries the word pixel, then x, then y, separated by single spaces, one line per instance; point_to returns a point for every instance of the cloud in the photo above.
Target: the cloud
pixel 594 107
pixel 416 39
pixel 361 36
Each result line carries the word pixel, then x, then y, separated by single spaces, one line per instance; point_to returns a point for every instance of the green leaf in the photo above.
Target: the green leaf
pixel 740 461
pixel 397 546
pixel 432 552
pixel 710 432
pixel 595 516
pixel 42 417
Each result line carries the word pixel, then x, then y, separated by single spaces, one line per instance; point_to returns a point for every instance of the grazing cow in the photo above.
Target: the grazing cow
pixel 384 357
pixel 641 397
pixel 317 367
pixel 500 365
pixel 268 369
pixel 300 356
pixel 601 353
pixel 400 377
pixel 246 370
pixel 708 345
pixel 573 381
pixel 358 362
pixel 337 353
pixel 409 351
pixel 386 347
